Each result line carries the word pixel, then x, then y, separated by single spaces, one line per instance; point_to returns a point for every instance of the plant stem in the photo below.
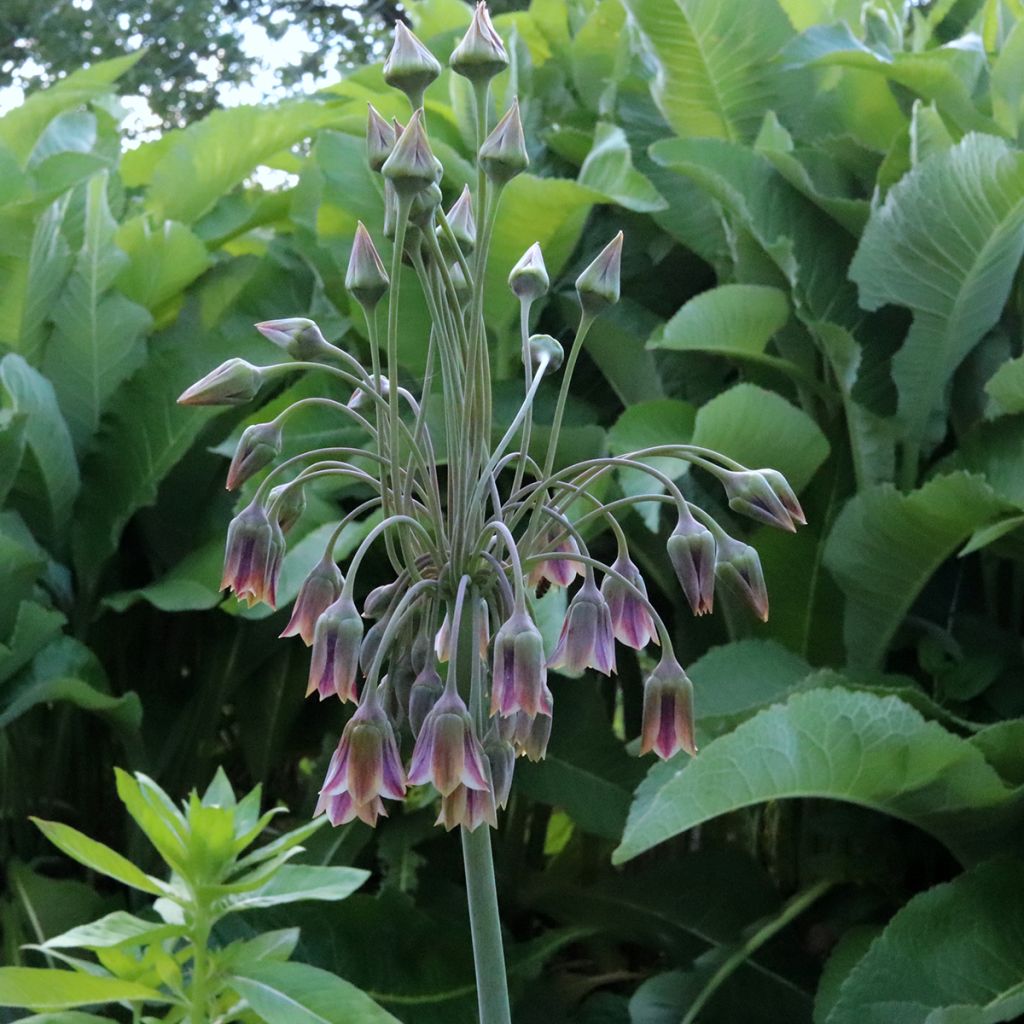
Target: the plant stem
pixel 200 938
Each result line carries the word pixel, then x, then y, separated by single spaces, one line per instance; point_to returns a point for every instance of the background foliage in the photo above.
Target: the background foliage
pixel 824 210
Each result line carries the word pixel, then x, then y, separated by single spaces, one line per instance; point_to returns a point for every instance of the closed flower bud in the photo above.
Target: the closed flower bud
pixel 379 600
pixel 691 550
pixel 547 350
pixel 361 396
pixel 459 283
pixel 258 446
pixel 739 568
pixel 424 203
pixel 460 220
pixel 558 571
pixel 234 382
pixel 503 153
pixel 380 138
pixel 447 751
pixel 468 808
pixel 335 662
pixel 341 809
pixel 632 623
pixel 501 757
pixel 298 336
pixel 288 502
pixel 371 644
pixel 481 54
pixel 412 166
pixel 410 66
pixel 390 210
pixel 249 557
pixel 366 277
pixel 366 764
pixel 668 710
pixel 398 687
pixel 586 640
pixel 426 691
pixel 320 589
pixel 443 640
pixel 529 279
pixel 780 485
pixel 750 494
pixel 598 285
pixel 519 679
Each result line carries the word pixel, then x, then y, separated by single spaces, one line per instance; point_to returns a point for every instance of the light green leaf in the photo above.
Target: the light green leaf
pixel 1008 82
pixel 295 882
pixel 609 169
pixel 761 429
pixel 848 951
pixel 154 812
pixel 68 1017
pixel 835 744
pixel 162 260
pixel 716 68
pixel 1006 388
pixel 49 261
pixel 291 993
pixel 116 929
pixel 952 955
pixel 885 546
pixel 985 535
pixel 953 272
pixel 42 989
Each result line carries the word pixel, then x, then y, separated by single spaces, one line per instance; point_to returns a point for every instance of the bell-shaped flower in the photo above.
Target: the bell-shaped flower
pixel 380 138
pixel 632 623
pixel 299 336
pixel 692 552
pixel 234 382
pixel 336 641
pixel 320 589
pixel 529 279
pixel 529 736
pixel 739 568
pixel 366 277
pixel 668 710
pixel 503 153
pixel 780 485
pixel 258 446
pixel 586 640
pixel 410 66
pixel 519 678
pixel 750 493
pixel 480 54
pixel 341 809
pixel 250 558
pixel 467 807
pixel 598 285
pixel 558 571
pixel 447 751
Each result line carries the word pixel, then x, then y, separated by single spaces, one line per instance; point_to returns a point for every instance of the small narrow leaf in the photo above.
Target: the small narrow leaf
pixel 42 989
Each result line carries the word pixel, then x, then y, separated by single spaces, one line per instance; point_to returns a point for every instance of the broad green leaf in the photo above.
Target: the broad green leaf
pixel 594 48
pixel 885 546
pixel 42 989
pixel 609 169
pixel 192 585
pixel 1006 388
pixel 848 951
pixel 952 955
pixel 116 929
pixel 97 341
pixel 49 261
pixel 761 429
pixel 291 993
pixel 12 448
pixel 34 625
pixel 124 712
pixel 985 535
pixel 840 745
pixel 68 1017
pixel 1003 746
pixel 162 260
pixel 295 882
pixel 716 69
pixel 1008 82
pixel 98 857
pixel 953 272
pixel 275 945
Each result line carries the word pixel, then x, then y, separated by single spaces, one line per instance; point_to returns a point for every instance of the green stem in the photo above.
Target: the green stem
pixel 200 938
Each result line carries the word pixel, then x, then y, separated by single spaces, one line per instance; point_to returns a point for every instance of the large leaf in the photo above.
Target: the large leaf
pixel 716 74
pixel 124 712
pixel 296 882
pixel 49 261
pixel 952 955
pixel 43 989
pixel 837 744
pixel 116 929
pixel 886 545
pixel 162 261
pixel 952 271
pixel 609 169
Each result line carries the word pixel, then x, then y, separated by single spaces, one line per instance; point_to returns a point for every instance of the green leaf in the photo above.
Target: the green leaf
pixel 42 989
pixel 116 929
pixel 69 1017
pixel 49 261
pixel 1006 388
pixel 609 169
pixel 716 69
pixel 98 857
pixel 952 955
pixel 1008 82
pixel 295 882
pixel 154 812
pixel 761 429
pixel 953 272
pixel 162 261
pixel 886 545
pixel 847 952
pixel 291 993
pixel 124 712
pixel 841 745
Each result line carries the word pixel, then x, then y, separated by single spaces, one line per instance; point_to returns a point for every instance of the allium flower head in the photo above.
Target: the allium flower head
pixel 250 564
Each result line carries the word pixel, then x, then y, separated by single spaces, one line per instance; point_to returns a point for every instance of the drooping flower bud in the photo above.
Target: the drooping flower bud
pixel 780 485
pixel 336 639
pixel 460 220
pixel 691 550
pixel 320 589
pixel 443 640
pixel 412 165
pixel 739 568
pixel 586 640
pixel 258 446
pixel 397 684
pixel 367 764
pixel 547 350
pixel 467 807
pixel 529 279
pixel 249 556
pixel 426 691
pixel 501 757
pixel 558 571
pixel 447 751
pixel 598 285
pixel 668 710
pixel 287 502
pixel 361 396
pixel 234 382
pixel 366 277
pixel 371 644
pixel 503 153
pixel 519 679
pixel 410 66
pixel 380 138
pixel 299 336
pixel 342 809
pixel 379 599
pixel 481 54
pixel 632 623
pixel 751 494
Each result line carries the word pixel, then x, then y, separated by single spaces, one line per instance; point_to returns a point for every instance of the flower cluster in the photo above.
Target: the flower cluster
pixel 452 665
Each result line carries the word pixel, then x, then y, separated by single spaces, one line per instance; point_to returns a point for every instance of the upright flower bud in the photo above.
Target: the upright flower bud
pixel 258 446
pixel 234 382
pixel 380 138
pixel 668 710
pixel 320 589
pixel 739 568
pixel 424 203
pixel 412 165
pixel 249 556
pixel 558 571
pixel 410 66
pixel 519 679
pixel 335 661
pixel 426 692
pixel 545 349
pixel 459 283
pixel 467 807
pixel 691 550
pixel 529 279
pixel 598 285
pixel 460 220
pixel 298 336
pixel 447 751
pixel 750 493
pixel 503 153
pixel 586 640
pixel 631 619
pixel 366 277
pixel 481 54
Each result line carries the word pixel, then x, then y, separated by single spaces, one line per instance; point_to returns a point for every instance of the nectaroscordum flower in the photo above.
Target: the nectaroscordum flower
pixel 668 710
